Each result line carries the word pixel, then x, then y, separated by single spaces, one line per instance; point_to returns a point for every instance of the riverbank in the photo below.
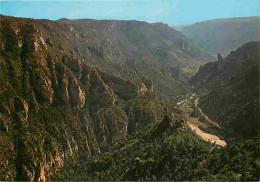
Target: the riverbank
pixel 195 124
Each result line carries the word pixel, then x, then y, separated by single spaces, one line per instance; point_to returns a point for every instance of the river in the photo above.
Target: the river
pixel 204 135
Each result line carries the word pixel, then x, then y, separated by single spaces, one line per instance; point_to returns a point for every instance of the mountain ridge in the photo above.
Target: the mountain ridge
pixel 73 106
pixel 57 107
pixel 166 53
pixel 225 34
pixel 230 90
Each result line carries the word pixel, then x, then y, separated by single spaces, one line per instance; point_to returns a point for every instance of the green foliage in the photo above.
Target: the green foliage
pixel 150 51
pixel 202 118
pixel 143 110
pixel 172 156
pixel 44 133
pixel 231 93
pixel 242 160
pixel 9 40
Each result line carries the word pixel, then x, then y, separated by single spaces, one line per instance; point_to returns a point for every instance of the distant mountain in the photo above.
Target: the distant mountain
pixel 154 51
pixel 224 35
pixel 180 27
pixel 231 87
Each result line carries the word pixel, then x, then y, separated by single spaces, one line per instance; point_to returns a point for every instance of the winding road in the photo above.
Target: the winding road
pixel 209 120
pixel 204 135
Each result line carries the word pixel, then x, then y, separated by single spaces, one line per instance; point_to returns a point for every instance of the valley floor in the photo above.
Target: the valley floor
pixel 196 102
pixel 195 124
pixel 206 136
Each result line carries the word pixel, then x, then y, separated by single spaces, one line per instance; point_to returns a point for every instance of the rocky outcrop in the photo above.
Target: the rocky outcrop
pixel 143 50
pixel 32 45
pixel 226 67
pixel 142 88
pixel 21 106
pixel 43 89
pixel 55 107
pixel 33 39
pixel 109 123
pixel 49 42
pixel 232 91
pixel 77 95
pixel 220 58
pixel 169 122
pixel 98 51
pixel 63 84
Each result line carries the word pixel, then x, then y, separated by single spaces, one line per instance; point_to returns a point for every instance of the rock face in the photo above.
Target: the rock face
pixel 56 107
pixel 231 94
pixel 77 95
pixel 227 67
pixel 220 58
pixel 153 51
pixel 21 106
pixel 43 89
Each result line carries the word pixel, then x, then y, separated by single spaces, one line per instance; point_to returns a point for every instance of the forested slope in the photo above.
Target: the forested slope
pixel 153 51
pixel 231 88
pixel 56 107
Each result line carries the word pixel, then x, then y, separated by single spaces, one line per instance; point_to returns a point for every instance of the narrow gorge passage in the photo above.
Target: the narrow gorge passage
pixel 194 123
pixel 208 119
pixel 206 136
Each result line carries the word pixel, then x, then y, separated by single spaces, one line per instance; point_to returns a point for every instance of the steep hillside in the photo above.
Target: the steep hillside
pixel 226 67
pixel 168 152
pixel 153 51
pixel 232 88
pixel 56 107
pixel 223 35
pixel 63 117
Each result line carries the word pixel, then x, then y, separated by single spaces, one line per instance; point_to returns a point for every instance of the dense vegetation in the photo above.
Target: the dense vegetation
pixel 56 107
pixel 153 51
pixel 62 117
pixel 223 35
pixel 171 154
pixel 231 88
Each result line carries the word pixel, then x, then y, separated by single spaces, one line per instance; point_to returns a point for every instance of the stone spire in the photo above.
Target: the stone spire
pixel 220 58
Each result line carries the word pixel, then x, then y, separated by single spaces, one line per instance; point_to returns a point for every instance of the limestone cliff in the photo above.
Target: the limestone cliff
pixel 56 107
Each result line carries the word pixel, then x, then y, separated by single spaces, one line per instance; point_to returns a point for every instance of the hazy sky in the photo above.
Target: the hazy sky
pixel 172 12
